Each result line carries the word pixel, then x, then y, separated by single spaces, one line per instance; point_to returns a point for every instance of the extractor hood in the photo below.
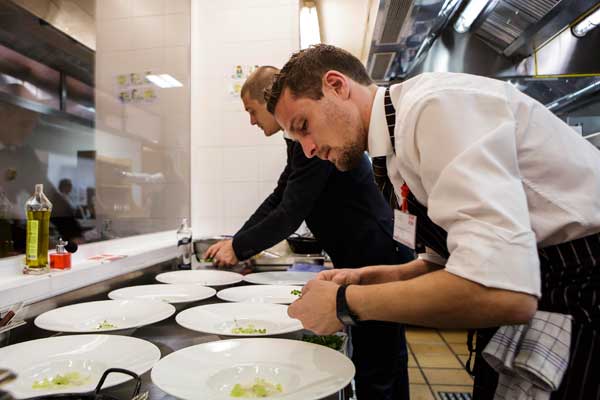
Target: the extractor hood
pixel 515 29
pixel 404 31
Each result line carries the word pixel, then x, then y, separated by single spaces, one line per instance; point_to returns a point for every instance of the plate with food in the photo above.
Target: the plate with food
pixel 239 319
pixel 280 277
pixel 172 294
pixel 73 364
pixel 206 277
pixel 104 316
pixel 253 367
pixel 279 294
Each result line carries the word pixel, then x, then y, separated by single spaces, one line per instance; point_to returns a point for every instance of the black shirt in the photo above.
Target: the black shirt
pixel 344 210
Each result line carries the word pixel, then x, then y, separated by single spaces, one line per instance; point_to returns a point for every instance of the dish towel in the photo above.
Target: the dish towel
pixel 530 359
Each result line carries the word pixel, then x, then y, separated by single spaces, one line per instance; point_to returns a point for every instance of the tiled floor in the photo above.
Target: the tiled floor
pixel 436 363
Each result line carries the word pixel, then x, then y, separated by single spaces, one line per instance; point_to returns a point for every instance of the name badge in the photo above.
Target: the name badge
pixel 405 228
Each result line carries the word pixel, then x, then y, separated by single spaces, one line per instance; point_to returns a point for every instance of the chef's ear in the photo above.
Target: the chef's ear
pixel 336 83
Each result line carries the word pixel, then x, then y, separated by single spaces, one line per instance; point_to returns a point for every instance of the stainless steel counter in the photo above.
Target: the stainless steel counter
pixel 167 335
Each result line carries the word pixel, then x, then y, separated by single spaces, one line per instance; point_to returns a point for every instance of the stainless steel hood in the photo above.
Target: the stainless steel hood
pixel 405 30
pixel 503 24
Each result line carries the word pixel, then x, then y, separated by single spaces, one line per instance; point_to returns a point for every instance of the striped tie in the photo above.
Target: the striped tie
pixel 383 182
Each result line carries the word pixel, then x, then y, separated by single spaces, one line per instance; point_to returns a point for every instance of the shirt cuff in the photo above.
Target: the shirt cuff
pixel 498 262
pixel 432 257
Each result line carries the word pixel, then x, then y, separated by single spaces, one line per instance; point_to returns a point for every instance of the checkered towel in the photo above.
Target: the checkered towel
pixel 530 359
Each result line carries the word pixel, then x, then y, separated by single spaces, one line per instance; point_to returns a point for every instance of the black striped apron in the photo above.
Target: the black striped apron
pixel 570 274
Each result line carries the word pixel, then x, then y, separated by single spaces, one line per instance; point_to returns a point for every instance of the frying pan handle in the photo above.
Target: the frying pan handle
pixel 138 380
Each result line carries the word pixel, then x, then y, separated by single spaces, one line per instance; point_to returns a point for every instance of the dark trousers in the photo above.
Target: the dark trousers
pixel 379 348
pixel 381 360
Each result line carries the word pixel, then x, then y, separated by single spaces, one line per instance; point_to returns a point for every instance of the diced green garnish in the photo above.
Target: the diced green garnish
pixel 260 388
pixel 59 381
pixel 237 391
pixel 106 325
pixel 296 292
pixel 248 330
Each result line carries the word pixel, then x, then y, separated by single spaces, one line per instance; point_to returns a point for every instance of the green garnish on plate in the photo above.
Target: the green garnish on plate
pixel 260 388
pixel 296 292
pixel 70 379
pixel 248 330
pixel 105 325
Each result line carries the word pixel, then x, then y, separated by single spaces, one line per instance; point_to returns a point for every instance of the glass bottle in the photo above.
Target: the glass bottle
pixel 38 209
pixel 184 246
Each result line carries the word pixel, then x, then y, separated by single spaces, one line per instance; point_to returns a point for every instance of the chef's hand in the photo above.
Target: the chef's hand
pixel 212 251
pixel 346 276
pixel 225 256
pixel 316 307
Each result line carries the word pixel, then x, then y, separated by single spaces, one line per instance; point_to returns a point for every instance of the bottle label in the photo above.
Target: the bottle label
pixel 183 241
pixel 32 240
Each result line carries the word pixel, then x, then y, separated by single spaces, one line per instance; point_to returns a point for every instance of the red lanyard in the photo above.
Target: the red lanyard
pixel 404 191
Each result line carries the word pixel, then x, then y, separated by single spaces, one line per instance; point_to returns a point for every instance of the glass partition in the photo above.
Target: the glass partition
pixel 81 112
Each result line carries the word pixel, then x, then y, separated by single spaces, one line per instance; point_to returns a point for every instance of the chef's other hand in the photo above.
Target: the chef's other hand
pixel 213 250
pixel 225 257
pixel 344 276
pixel 316 307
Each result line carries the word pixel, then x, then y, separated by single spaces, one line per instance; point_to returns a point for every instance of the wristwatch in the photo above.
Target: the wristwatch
pixel 343 312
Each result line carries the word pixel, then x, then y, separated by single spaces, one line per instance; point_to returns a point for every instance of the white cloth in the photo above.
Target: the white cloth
pixel 497 170
pixel 531 359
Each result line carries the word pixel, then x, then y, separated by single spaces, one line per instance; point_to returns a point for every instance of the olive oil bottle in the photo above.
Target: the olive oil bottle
pixel 38 209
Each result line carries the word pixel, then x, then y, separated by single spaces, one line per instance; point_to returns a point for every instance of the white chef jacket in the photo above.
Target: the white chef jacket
pixel 497 170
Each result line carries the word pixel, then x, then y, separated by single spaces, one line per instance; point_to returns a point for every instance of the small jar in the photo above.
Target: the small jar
pixel 61 259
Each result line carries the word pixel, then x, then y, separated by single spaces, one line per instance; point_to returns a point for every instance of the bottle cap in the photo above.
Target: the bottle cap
pixel 60 246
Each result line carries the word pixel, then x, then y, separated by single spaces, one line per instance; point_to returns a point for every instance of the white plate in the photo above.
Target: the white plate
pixel 173 294
pixel 85 317
pixel 88 355
pixel 260 294
pixel 280 277
pixel 206 277
pixel 220 319
pixel 209 371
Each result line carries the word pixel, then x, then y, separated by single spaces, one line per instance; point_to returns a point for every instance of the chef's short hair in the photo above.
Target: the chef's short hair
pixel 258 81
pixel 304 71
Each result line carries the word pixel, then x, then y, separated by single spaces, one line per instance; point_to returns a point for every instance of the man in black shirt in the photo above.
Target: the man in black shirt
pixel 351 220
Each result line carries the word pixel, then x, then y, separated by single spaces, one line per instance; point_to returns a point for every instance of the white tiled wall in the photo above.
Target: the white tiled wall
pixel 234 167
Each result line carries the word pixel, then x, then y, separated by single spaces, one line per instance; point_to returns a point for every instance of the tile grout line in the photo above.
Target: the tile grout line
pixel 421 369
pixel 455 354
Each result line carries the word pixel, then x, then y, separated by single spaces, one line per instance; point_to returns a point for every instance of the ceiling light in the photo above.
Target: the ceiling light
pixel 587 24
pixel 468 16
pixel 310 32
pixel 164 81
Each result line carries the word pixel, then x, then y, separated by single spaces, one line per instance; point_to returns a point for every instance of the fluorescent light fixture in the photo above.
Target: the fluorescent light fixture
pixel 164 81
pixel 172 82
pixel 310 32
pixel 470 13
pixel 587 24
